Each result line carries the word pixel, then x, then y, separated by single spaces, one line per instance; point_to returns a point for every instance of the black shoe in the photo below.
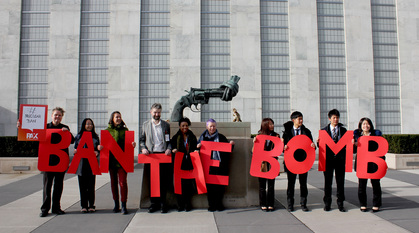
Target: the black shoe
pixel 116 209
pixel 212 209
pixel 164 210
pixel 180 209
pixel 152 209
pixel 326 208
pixel 304 208
pixel 271 208
pixel 221 208
pixel 43 214
pixel 188 208
pixel 58 212
pixel 363 209
pixel 124 211
pixel 290 208
pixel 375 209
pixel 342 209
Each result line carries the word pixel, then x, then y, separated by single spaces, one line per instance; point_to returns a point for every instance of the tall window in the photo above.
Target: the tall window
pixel 154 57
pixel 332 64
pixel 34 43
pixel 275 60
pixel 93 67
pixel 215 55
pixel 386 66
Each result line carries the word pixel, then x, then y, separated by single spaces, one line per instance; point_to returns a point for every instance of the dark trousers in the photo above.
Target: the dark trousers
pixel 166 181
pixel 215 194
pixel 87 190
pixel 50 178
pixel 338 167
pixel 376 190
pixel 291 188
pixel 188 189
pixel 119 176
pixel 266 198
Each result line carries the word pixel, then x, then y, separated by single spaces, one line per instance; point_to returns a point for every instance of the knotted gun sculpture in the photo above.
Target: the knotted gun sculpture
pixel 196 96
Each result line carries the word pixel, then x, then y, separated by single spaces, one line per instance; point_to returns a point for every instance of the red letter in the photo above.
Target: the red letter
pixel 304 143
pixel 154 160
pixel 365 156
pixel 205 153
pixel 197 173
pixel 46 149
pixel 88 153
pixel 326 140
pixel 260 155
pixel 126 159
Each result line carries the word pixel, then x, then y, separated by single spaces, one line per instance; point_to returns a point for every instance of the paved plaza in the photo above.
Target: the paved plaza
pixel 21 195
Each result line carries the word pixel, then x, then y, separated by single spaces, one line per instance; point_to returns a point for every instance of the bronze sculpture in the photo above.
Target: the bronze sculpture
pixel 196 96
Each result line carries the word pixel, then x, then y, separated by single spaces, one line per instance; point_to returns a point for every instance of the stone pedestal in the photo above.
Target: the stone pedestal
pixel 402 161
pixel 242 190
pixel 10 165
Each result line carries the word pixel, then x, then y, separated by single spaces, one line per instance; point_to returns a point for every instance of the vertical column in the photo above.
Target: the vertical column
pixel 9 65
pixel 245 60
pixel 408 37
pixel 64 58
pixel 123 60
pixel 185 42
pixel 304 62
pixel 359 61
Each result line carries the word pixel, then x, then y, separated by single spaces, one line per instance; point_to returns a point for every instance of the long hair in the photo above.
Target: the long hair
pixel 369 122
pixel 83 128
pixel 264 126
pixel 111 119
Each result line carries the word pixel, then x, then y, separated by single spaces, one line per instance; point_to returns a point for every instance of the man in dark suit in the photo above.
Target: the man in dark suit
pixel 293 128
pixel 155 138
pixel 334 162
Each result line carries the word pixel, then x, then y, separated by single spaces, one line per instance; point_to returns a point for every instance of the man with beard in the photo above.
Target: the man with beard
pixel 155 139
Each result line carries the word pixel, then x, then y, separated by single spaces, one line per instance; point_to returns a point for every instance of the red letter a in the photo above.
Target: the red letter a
pixel 88 153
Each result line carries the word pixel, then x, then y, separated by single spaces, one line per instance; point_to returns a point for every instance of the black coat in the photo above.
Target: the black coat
pixel 289 133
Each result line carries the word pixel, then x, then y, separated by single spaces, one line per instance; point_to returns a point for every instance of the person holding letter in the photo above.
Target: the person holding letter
pixel 293 128
pixel 334 163
pixel 117 128
pixel 215 193
pixel 185 141
pixel 86 177
pixel 56 178
pixel 267 199
pixel 155 139
pixel 366 128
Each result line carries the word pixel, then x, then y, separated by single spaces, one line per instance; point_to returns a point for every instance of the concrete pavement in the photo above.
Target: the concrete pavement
pixel 20 200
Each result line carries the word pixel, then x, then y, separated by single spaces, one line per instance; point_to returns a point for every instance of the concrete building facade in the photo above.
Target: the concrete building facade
pixel 92 57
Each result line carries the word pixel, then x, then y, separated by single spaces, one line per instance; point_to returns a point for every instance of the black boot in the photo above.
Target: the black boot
pixel 116 208
pixel 124 208
pixel 290 202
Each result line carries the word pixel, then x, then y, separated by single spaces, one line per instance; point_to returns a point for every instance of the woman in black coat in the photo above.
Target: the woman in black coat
pixel 366 128
pixel 267 197
pixel 185 141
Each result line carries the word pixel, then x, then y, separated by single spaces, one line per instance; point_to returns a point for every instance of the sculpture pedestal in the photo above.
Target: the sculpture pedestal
pixel 243 189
